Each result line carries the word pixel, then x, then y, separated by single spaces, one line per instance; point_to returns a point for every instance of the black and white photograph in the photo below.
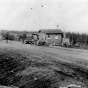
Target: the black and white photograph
pixel 43 43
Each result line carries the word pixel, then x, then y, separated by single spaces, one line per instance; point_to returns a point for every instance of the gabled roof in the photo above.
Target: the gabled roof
pixel 51 31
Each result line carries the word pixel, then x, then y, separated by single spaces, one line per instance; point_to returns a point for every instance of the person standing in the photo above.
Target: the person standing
pixel 7 37
pixel 24 37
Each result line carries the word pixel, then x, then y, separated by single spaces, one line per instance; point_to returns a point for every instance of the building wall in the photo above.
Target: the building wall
pixel 51 38
pixel 35 37
pixel 42 36
pixel 54 38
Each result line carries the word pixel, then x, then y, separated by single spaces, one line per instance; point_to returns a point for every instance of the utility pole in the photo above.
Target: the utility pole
pixel 65 32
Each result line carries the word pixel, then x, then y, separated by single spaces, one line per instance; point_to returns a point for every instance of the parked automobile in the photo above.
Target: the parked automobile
pixel 29 39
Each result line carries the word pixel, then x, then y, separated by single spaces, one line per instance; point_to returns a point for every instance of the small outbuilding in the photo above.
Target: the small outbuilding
pixel 53 36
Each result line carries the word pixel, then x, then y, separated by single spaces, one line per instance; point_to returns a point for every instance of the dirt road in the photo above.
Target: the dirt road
pixel 60 66
pixel 77 56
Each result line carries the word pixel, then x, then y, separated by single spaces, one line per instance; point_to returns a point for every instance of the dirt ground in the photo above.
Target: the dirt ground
pixel 30 66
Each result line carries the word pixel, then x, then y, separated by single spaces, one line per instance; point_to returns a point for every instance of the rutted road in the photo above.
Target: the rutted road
pixel 77 56
pixel 72 63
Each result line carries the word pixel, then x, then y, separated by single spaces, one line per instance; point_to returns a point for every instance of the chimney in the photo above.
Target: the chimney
pixel 57 26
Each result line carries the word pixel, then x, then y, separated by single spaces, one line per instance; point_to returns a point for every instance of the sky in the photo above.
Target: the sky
pixel 33 15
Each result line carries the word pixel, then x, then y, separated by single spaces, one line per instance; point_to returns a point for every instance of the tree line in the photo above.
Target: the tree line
pixel 81 38
pixel 13 36
pixel 8 35
pixel 77 38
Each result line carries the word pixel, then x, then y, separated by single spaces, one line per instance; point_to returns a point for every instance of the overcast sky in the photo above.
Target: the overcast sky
pixel 32 15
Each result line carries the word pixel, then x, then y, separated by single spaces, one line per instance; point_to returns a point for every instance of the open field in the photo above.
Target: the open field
pixel 29 66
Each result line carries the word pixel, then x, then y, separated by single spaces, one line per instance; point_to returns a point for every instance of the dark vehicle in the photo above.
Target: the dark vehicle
pixel 29 39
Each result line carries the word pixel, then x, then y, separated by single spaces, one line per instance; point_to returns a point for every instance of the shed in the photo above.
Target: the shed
pixel 52 35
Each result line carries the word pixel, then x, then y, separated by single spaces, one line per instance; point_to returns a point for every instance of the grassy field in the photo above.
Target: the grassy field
pixel 29 66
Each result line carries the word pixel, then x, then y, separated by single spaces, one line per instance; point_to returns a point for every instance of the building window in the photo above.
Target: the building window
pixel 56 37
